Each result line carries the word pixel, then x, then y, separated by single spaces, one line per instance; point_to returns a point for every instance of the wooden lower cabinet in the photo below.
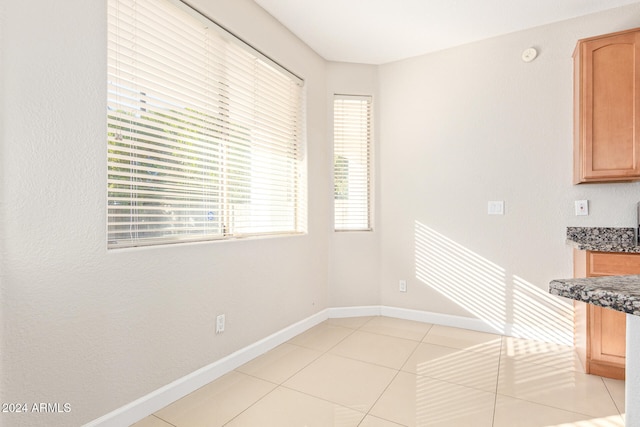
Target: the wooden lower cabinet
pixel 600 334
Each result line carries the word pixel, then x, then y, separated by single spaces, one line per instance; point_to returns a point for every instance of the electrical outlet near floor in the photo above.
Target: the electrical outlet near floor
pixel 220 324
pixel 402 287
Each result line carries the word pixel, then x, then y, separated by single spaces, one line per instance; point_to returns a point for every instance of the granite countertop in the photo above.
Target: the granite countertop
pixel 603 239
pixel 621 293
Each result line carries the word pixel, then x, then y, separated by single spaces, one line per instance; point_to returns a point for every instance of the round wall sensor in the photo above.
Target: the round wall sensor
pixel 529 54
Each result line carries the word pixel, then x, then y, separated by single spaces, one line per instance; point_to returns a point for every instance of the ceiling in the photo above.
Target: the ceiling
pixel 381 31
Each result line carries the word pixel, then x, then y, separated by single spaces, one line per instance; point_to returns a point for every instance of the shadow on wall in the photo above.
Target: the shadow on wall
pixel 506 302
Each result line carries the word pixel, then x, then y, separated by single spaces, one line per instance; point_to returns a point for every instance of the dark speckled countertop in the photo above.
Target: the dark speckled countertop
pixel 603 239
pixel 621 293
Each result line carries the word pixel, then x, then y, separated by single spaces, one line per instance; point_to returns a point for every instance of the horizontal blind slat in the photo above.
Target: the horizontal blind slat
pixel 352 163
pixel 204 135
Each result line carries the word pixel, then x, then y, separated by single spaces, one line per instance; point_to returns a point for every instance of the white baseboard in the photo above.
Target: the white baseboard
pixel 473 324
pixel 360 311
pixel 156 400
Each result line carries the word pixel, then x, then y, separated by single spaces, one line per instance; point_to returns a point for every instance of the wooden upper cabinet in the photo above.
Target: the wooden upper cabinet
pixel 607 108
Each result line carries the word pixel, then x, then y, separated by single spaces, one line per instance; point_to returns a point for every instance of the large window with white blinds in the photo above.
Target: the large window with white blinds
pixel 352 140
pixel 205 134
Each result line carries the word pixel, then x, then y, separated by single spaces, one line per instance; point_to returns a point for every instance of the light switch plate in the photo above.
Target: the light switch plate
pixel 582 207
pixel 495 207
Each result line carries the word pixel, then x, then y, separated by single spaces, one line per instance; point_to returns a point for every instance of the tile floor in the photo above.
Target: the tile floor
pixel 386 372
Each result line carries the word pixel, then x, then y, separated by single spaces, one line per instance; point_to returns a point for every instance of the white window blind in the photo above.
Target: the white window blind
pixel 352 162
pixel 205 134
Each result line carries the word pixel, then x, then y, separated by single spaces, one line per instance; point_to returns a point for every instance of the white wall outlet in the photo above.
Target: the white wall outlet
pixel 220 324
pixel 402 287
pixel 582 207
pixel 495 207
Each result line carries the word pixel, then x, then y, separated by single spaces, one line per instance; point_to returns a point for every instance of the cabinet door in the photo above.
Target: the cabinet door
pixel 607 335
pixel 607 328
pixel 608 101
pixel 612 264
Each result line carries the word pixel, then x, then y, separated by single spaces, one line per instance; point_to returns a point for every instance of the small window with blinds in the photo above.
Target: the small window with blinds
pixel 205 134
pixel 352 162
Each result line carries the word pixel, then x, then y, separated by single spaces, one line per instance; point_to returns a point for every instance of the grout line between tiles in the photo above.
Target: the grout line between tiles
pixel 547 406
pixel 427 332
pixel 502 356
pixel 326 324
pixel 379 397
pixel 611 396
pixel 320 354
pixel 538 403
pixel 364 414
pixel 396 336
pixel 345 337
pixel 163 420
pixel 450 382
pixel 251 406
pixel 318 397
pixel 417 344
pixel 390 382
pixel 281 385
pixel 495 395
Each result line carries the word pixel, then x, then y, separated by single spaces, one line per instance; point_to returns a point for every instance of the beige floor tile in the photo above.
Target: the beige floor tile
pixel 512 412
pixel 371 421
pixel 542 353
pixel 217 402
pixel 379 349
pixel 336 372
pixel 463 339
pixel 560 388
pixel 349 322
pixel 399 328
pixel 347 382
pixel 284 407
pixel 151 421
pixel 617 392
pixel 412 400
pixel 321 337
pixel 281 363
pixel 467 368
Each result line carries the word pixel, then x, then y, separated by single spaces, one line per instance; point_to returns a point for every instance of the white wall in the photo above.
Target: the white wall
pixel 471 124
pixel 455 129
pixel 97 328
pixel 354 257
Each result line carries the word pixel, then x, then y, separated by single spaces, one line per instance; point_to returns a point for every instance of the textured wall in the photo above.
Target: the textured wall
pixel 98 329
pixel 354 257
pixel 472 124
